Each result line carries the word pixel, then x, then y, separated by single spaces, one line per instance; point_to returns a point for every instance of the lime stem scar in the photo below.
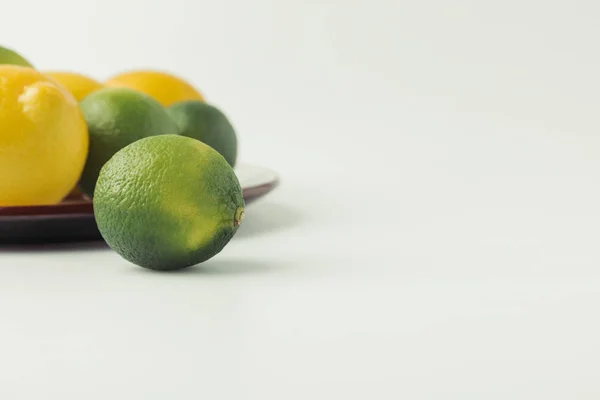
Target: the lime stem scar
pixel 238 217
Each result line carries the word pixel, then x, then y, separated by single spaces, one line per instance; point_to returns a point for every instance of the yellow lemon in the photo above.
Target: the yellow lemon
pixel 43 138
pixel 166 88
pixel 79 85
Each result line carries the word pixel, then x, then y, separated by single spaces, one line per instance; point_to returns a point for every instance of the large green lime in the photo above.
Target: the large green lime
pixel 168 202
pixel 8 56
pixel 208 124
pixel 117 117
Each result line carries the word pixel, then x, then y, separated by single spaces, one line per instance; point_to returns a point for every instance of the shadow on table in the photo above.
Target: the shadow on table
pixel 264 217
pixel 53 247
pixel 219 267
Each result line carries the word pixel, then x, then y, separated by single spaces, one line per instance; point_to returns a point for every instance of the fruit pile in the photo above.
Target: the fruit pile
pixel 154 157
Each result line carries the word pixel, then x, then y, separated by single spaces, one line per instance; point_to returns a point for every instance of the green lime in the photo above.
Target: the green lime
pixel 8 56
pixel 208 124
pixel 168 202
pixel 117 117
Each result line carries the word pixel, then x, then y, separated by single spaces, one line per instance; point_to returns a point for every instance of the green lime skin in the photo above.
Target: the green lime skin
pixel 202 121
pixel 168 202
pixel 8 56
pixel 117 117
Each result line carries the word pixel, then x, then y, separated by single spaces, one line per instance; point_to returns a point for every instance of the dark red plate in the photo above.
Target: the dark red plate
pixel 73 220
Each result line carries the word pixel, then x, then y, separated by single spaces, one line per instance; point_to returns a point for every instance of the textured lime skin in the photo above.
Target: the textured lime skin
pixel 167 202
pixel 208 124
pixel 8 56
pixel 117 117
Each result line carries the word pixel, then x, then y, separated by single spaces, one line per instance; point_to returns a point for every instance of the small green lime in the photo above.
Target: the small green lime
pixel 8 56
pixel 117 117
pixel 168 202
pixel 208 124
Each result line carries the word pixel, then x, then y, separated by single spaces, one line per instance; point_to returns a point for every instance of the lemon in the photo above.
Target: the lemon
pixel 79 85
pixel 117 117
pixel 168 202
pixel 164 87
pixel 8 56
pixel 43 138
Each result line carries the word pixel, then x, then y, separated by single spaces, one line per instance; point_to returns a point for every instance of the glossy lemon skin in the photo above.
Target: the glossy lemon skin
pixel 162 86
pixel 77 84
pixel 43 138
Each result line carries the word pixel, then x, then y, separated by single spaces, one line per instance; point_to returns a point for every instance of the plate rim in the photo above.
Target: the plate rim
pixel 84 208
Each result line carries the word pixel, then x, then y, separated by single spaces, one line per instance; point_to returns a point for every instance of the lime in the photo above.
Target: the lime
pixel 208 124
pixel 8 56
pixel 168 202
pixel 117 117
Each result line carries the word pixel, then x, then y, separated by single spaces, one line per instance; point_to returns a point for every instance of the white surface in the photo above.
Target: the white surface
pixel 252 175
pixel 435 235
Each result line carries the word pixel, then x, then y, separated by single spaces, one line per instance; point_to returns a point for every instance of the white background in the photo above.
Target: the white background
pixel 435 235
